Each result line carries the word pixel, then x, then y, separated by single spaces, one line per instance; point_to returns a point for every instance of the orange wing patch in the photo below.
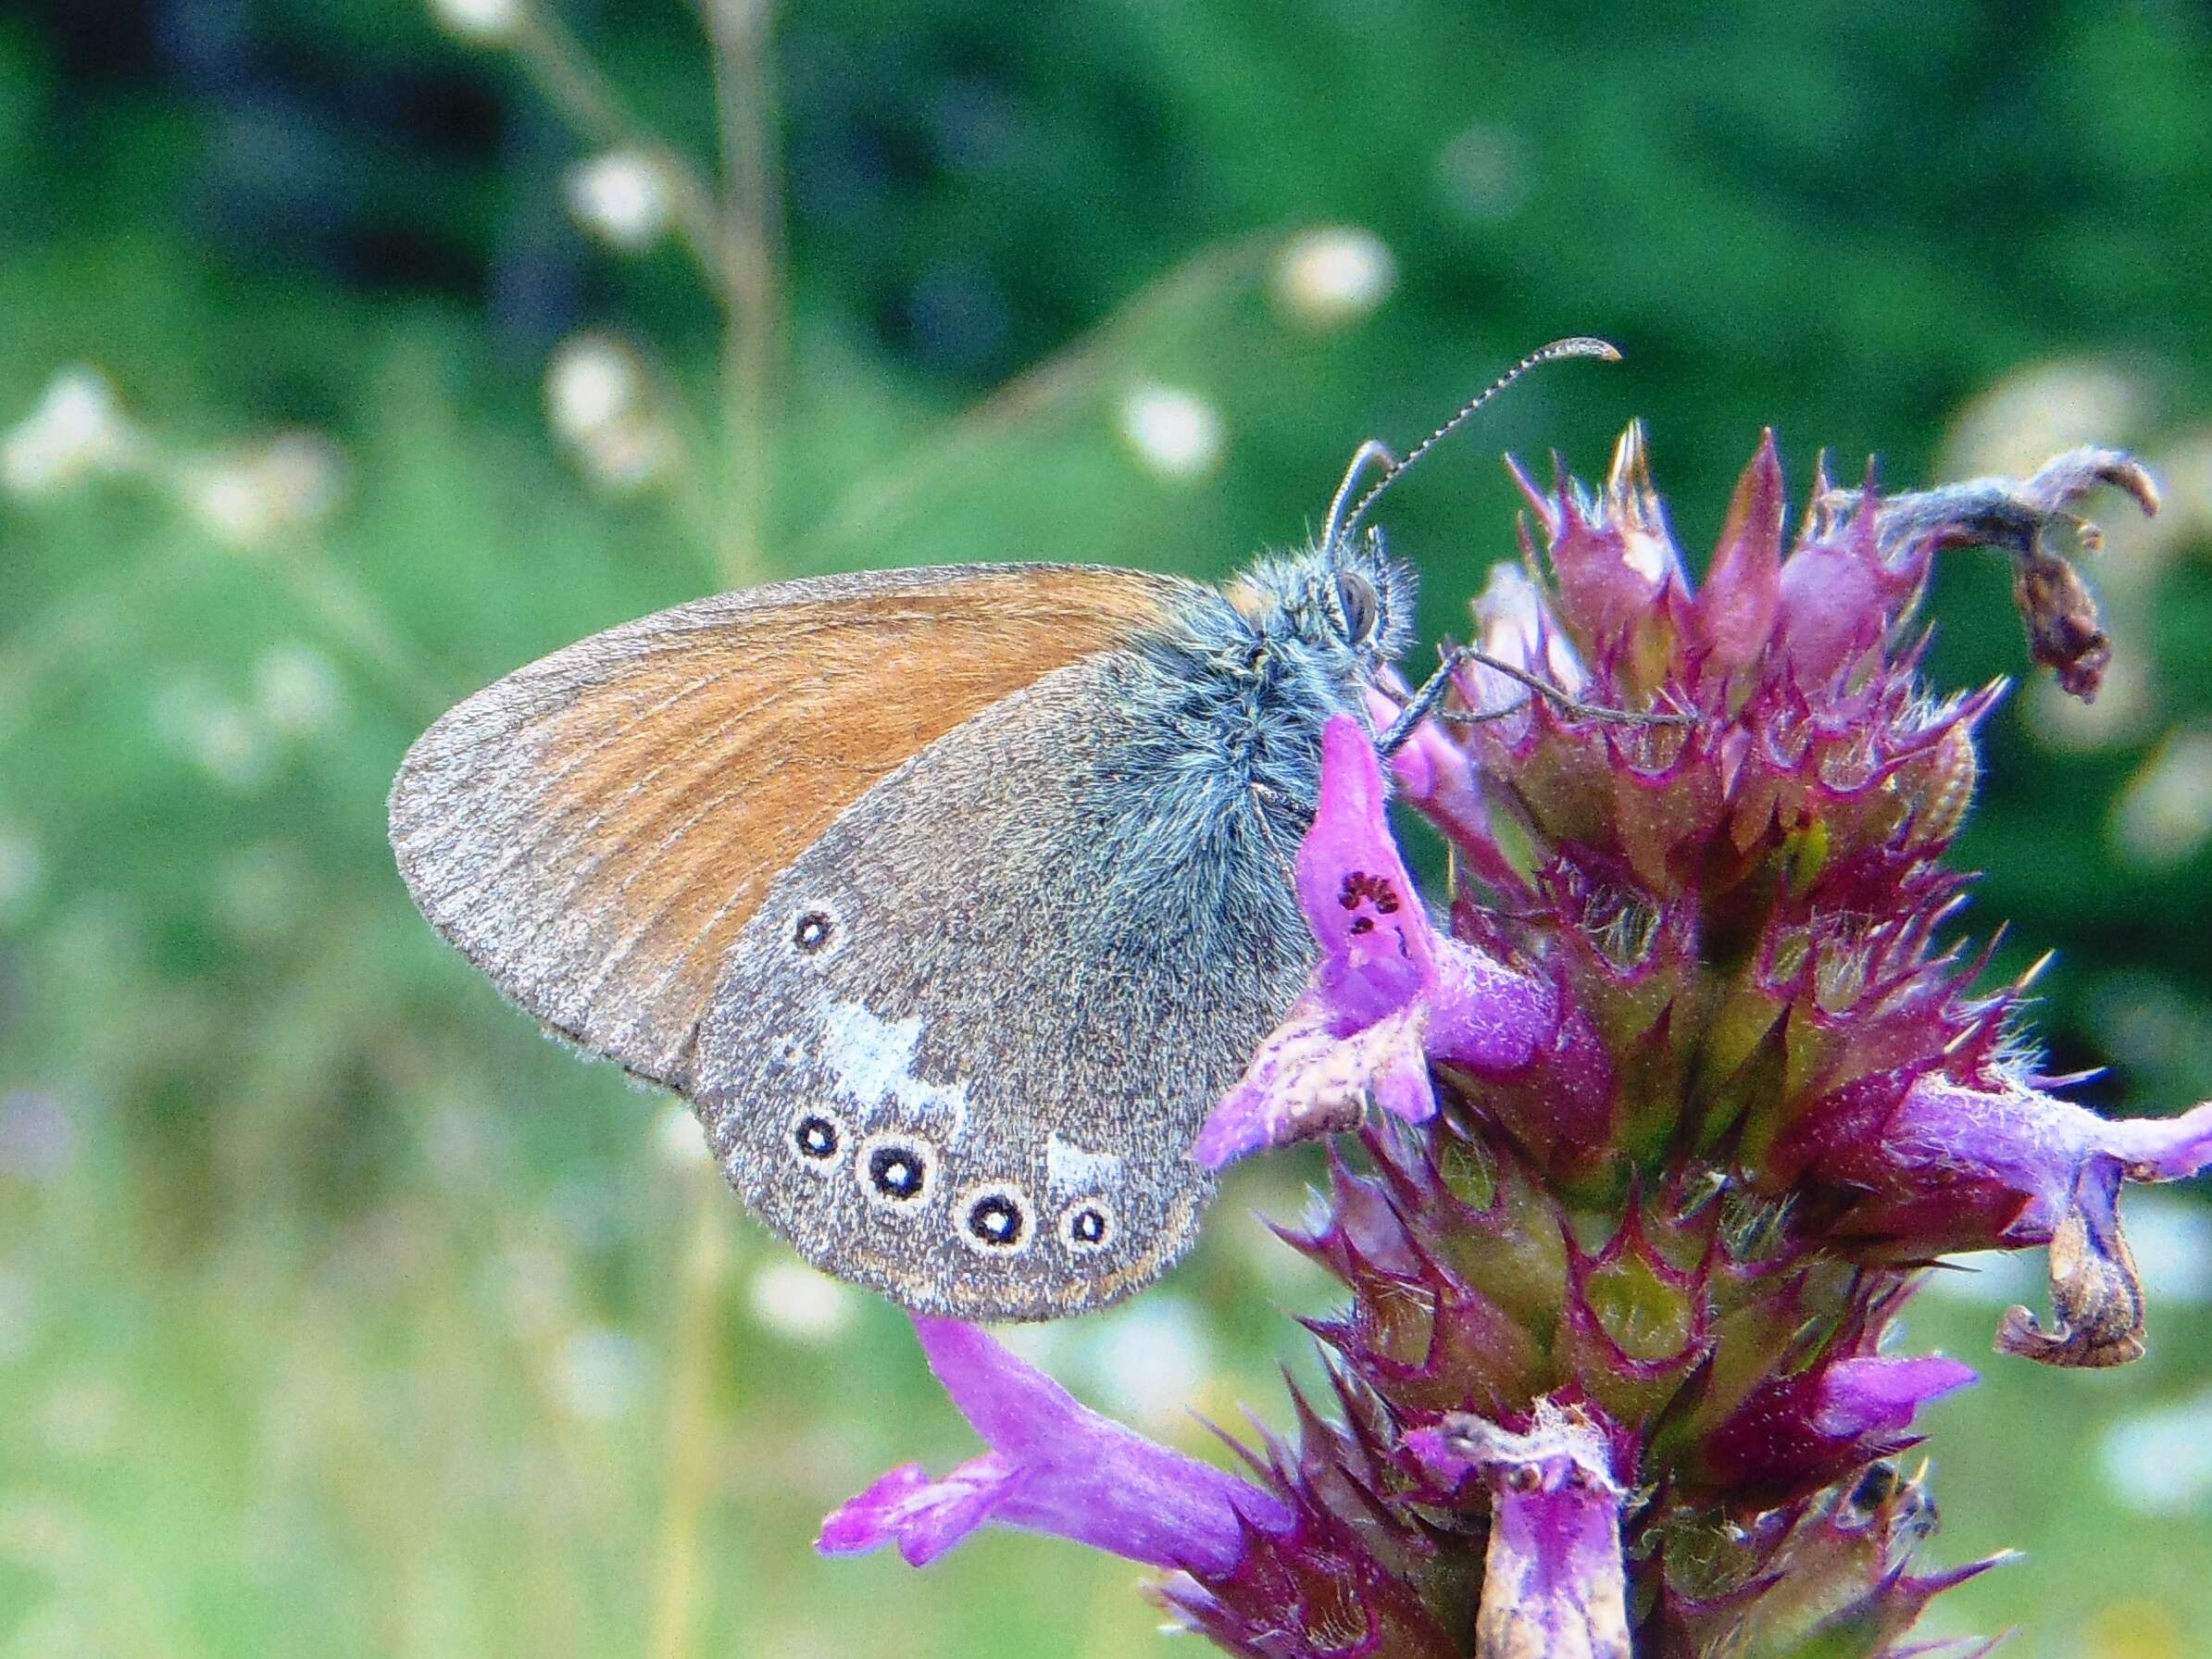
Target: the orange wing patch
pixel 596 829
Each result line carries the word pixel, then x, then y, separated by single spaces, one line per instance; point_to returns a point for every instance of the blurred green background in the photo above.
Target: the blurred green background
pixel 356 353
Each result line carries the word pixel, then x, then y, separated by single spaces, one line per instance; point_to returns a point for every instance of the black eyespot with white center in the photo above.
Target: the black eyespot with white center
pixel 993 1219
pixel 817 1137
pixel 1087 1226
pixel 896 1171
pixel 814 931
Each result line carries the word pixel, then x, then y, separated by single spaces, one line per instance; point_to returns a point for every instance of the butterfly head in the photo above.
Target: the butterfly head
pixel 1346 609
pixel 1360 598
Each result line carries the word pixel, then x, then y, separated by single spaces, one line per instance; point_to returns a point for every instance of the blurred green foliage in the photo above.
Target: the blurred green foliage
pixel 339 1312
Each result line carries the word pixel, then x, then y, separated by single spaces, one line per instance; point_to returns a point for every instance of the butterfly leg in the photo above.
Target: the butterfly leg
pixel 1425 703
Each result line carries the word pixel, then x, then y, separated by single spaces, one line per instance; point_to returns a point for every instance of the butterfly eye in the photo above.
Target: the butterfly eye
pixel 1362 608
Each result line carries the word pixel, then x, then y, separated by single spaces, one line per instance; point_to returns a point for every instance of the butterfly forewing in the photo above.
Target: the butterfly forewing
pixel 595 831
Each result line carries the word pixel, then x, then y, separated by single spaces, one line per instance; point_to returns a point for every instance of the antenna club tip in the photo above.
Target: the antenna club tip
pixel 1583 345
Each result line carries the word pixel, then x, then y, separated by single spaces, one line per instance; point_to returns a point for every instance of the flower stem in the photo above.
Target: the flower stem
pixel 687 1451
pixel 748 237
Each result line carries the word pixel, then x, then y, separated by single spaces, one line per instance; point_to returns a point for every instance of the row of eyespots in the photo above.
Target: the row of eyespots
pixel 898 1173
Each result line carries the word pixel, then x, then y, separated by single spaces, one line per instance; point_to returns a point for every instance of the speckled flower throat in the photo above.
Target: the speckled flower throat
pixel 1643 1135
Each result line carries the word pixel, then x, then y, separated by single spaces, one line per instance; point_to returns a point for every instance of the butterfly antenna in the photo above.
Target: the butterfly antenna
pixel 1372 453
pixel 1343 524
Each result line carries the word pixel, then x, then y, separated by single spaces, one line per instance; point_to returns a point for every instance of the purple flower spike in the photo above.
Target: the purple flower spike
pixel 1053 1466
pixel 1838 595
pixel 1389 993
pixel 1553 1577
pixel 1305 1080
pixel 2058 1168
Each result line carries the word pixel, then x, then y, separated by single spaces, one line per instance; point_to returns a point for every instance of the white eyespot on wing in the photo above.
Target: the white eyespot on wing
pixel 871 1061
pixel 1070 1169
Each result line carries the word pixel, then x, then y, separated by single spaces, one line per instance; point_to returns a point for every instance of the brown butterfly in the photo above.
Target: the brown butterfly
pixel 951 899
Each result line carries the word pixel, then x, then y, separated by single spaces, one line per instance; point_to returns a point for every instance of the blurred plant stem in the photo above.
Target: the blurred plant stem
pixel 1201 291
pixel 688 1452
pixel 737 31
pixel 733 237
pixel 558 63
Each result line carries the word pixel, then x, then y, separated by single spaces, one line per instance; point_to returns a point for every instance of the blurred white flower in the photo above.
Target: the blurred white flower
pixel 599 399
pixel 298 688
pixel 2164 814
pixel 2034 412
pixel 291 482
pixel 681 1137
pixel 624 197
pixel 77 430
pixel 1334 275
pixel 2160 1462
pixel 799 1304
pixel 2170 1236
pixel 2184 469
pixel 599 1374
pixel 1175 434
pixel 488 21
pixel 590 382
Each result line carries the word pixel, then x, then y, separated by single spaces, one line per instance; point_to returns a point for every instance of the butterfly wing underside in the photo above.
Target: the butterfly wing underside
pixel 595 831
pixel 963 1047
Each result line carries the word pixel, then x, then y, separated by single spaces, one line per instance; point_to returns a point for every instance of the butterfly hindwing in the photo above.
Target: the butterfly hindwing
pixel 961 1049
pixel 595 831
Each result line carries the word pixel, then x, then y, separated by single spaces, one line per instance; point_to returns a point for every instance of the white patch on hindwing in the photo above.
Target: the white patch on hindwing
pixel 1070 1168
pixel 872 1061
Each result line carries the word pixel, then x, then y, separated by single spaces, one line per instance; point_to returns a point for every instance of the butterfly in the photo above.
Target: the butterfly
pixel 951 899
